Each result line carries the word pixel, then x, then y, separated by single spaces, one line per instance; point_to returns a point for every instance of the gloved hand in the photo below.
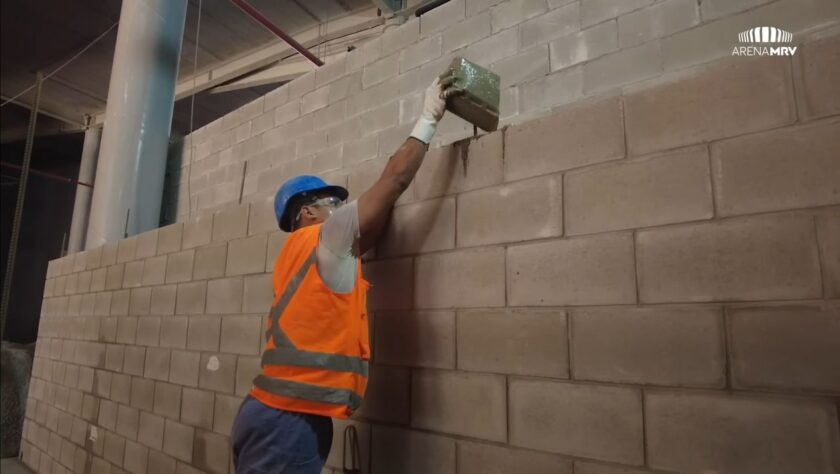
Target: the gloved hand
pixel 434 106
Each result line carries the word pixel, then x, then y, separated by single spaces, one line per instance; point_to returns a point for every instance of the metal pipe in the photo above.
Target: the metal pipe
pixel 138 117
pixel 24 177
pixel 45 174
pixel 265 22
pixel 81 206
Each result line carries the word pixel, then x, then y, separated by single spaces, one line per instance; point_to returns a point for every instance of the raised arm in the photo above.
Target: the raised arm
pixel 376 203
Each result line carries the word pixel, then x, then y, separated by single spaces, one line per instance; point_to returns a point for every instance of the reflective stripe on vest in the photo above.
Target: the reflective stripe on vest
pixel 305 391
pixel 286 354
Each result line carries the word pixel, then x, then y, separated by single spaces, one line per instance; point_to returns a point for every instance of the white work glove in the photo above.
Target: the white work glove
pixel 434 105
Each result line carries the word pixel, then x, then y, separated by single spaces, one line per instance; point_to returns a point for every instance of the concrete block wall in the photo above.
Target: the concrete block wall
pixel 639 277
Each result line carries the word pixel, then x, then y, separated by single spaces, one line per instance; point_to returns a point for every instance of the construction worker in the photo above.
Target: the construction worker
pixel 315 365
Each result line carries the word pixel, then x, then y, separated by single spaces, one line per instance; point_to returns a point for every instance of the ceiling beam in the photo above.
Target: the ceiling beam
pixel 41 110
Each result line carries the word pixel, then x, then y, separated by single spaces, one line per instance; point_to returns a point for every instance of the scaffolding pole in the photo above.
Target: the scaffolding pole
pixel 24 177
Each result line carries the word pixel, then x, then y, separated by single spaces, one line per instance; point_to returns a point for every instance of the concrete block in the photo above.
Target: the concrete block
pixel 525 342
pixel 142 393
pixel 150 432
pixel 513 12
pixel 420 339
pixel 724 100
pixel 178 440
pixel 754 258
pixel 241 334
pixel 93 259
pixel 455 168
pixel 246 369
pixel 184 368
pixel 126 330
pixel 157 363
pixel 161 463
pixel 359 150
pixel 163 300
pixel 136 457
pixel 83 284
pixel 540 95
pixel 398 38
pixel 197 231
pixel 793 168
pixel 114 448
pixel 121 388
pixel 114 357
pixel 169 238
pixel 179 266
pixel 656 21
pixel 709 432
pixel 459 403
pixel 466 278
pixel 197 408
pixel 623 67
pixel 217 372
pixel 211 452
pixel 167 400
pixel 607 420
pixel 258 293
pixel 210 261
pixel 589 133
pixel 146 245
pixel 442 17
pixel 246 255
pixel 419 228
pixel 469 31
pixel 154 271
pixel 224 412
pixel 335 458
pixel 380 71
pixel 119 302
pixel 107 414
pixel 786 347
pixel 317 99
pixel 661 346
pixel 97 279
pixel 224 296
pixel 134 360
pixel 230 223
pixel 419 53
pixel 204 332
pixel 596 11
pixel 410 452
pixel 493 48
pixel 583 46
pixel 140 301
pixel 275 244
pixel 663 189
pixel 287 113
pixel 329 72
pixel 114 277
pixel 127 420
pixel 816 71
pixel 712 9
pixel 173 332
pixel 529 64
pixel 109 255
pixel 148 331
pixel 524 210
pixel 578 271
pixel 392 283
pixel 475 458
pixel 126 249
pixel 262 218
pixel 191 297
pixel 828 233
pixel 559 22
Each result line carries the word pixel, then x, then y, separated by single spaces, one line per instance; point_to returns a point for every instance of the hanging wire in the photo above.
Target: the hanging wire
pixel 59 68
pixel 192 106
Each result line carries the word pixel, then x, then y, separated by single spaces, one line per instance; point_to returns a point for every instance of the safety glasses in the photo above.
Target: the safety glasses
pixel 332 202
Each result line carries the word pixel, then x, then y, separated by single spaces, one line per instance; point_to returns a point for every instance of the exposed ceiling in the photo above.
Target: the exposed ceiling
pixel 39 35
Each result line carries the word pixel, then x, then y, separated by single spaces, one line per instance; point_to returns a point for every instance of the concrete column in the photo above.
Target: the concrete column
pixel 138 117
pixel 87 173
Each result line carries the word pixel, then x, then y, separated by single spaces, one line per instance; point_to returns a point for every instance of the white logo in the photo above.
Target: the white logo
pixel 764 34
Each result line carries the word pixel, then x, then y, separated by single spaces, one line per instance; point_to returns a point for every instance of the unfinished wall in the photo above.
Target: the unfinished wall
pixel 633 279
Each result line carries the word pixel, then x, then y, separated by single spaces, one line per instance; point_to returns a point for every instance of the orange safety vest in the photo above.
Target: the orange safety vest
pixel 318 348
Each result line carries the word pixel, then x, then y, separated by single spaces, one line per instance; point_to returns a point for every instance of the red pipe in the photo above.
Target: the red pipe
pixel 256 15
pixel 45 174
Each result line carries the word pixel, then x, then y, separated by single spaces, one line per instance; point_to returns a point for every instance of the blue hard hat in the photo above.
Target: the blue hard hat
pixel 301 186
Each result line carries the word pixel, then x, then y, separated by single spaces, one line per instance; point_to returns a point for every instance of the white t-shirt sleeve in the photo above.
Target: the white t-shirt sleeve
pixel 336 262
